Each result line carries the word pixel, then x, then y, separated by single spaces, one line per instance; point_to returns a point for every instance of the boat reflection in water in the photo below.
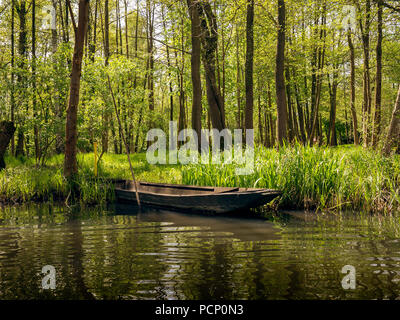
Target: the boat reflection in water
pixel 241 228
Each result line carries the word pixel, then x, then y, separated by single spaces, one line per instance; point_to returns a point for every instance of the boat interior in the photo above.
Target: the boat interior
pixel 149 187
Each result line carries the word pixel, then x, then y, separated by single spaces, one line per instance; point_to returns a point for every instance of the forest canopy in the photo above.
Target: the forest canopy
pixel 313 71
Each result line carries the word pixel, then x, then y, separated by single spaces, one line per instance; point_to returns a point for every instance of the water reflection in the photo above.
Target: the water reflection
pixel 122 254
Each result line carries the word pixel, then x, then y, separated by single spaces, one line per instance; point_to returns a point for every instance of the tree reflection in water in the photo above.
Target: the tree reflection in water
pixel 121 254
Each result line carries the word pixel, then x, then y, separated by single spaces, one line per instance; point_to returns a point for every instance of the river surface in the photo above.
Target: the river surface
pixel 122 254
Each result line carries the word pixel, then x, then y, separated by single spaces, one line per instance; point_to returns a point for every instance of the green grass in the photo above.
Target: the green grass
pixel 21 181
pixel 342 178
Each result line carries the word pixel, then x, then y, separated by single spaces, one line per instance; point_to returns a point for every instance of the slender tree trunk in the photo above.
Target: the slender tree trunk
pixel 282 120
pixel 70 163
pixel 195 69
pixel 126 28
pixel 209 41
pixel 116 27
pixel 58 106
pixel 182 95
pixel 273 129
pixel 238 78
pixel 271 132
pixel 353 89
pixel 332 139
pixel 260 127
pixel 378 89
pixel 365 36
pixel 106 31
pixel 35 127
pixel 106 116
pixel 120 31
pixel 315 123
pixel 150 52
pixel 92 44
pixel 249 65
pixel 54 30
pixel 12 111
pixel 267 137
pixel 302 133
pixel 171 92
pixel 66 22
pixel 393 134
pixel 22 11
pixel 223 93
pixel 291 130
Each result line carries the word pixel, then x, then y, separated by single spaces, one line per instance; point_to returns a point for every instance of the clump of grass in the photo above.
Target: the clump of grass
pixel 25 183
pixel 318 177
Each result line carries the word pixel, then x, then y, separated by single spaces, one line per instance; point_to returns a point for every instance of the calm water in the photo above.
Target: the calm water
pixel 120 254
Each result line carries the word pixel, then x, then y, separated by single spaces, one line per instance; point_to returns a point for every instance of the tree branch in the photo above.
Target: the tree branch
pixel 389 6
pixel 72 16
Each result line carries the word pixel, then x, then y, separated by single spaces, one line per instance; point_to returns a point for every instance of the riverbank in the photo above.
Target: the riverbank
pixel 324 178
pixel 22 181
pixel 343 178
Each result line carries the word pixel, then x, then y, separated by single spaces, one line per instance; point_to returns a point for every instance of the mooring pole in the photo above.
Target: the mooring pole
pixel 123 139
pixel 95 158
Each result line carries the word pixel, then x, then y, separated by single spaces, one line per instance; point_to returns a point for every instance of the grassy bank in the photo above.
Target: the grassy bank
pixel 325 178
pixel 22 181
pixel 342 178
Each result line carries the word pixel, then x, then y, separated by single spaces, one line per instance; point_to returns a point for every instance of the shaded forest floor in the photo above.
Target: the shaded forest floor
pixel 342 178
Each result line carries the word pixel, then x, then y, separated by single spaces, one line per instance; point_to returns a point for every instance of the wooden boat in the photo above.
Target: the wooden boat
pixel 193 198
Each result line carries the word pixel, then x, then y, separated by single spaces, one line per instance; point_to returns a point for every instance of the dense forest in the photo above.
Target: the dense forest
pixel 323 72
pixel 307 72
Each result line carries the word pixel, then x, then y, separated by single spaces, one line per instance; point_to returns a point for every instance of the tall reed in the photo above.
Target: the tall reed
pixel 319 177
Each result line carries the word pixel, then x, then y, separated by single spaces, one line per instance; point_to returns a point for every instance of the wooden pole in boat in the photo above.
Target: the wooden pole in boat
pixel 95 158
pixel 123 139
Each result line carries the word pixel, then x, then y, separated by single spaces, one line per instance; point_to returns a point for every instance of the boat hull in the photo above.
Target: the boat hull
pixel 207 201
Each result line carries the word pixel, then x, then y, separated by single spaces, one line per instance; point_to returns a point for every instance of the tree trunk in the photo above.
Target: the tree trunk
pixel 7 130
pixel 195 69
pixel 282 120
pixel 35 127
pixel 353 88
pixel 238 79
pixel 394 128
pixel 58 106
pixel 106 116
pixel 249 65
pixel 71 134
pixel 54 31
pixel 209 41
pixel 331 139
pixel 291 130
pixel 320 55
pixel 171 92
pixel 300 113
pixel 12 98
pixel 260 127
pixel 22 11
pixel 92 44
pixel 365 36
pixel 378 89
pixel 150 27
pixel 126 28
